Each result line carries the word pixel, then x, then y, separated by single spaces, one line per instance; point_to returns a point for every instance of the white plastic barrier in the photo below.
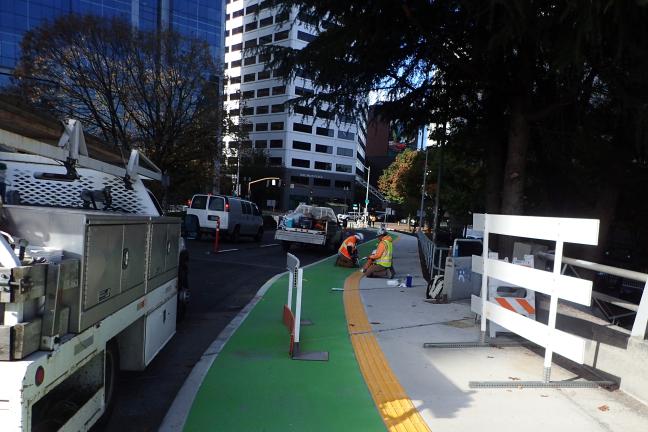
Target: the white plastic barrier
pixel 292 318
pixel 554 284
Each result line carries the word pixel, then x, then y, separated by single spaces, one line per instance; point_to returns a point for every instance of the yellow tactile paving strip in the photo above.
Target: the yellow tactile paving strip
pixel 396 408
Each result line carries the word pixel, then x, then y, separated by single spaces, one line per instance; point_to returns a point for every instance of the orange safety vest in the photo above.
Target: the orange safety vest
pixel 350 241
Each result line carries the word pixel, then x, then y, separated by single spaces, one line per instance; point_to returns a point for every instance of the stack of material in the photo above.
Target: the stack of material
pixel 309 217
pixel 317 213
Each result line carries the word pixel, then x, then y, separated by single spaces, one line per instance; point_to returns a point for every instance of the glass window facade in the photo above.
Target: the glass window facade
pixel 203 19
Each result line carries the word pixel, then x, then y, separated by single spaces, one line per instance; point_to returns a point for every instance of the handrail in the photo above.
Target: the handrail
pixel 640 326
pixel 628 274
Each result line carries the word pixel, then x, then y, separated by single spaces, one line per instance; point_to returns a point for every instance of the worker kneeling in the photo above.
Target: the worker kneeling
pixel 348 252
pixel 379 263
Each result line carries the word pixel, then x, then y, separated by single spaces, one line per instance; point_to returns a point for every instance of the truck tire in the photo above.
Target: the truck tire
pixel 111 376
pixel 236 234
pixel 191 226
pixel 183 285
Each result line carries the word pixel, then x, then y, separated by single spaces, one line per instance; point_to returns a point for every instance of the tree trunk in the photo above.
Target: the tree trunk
pixel 514 171
pixel 494 168
pixel 605 211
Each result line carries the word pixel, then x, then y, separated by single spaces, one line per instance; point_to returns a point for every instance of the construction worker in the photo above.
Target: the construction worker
pixel 348 252
pixel 379 264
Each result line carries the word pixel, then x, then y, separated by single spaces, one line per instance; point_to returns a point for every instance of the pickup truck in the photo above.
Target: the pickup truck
pixel 309 225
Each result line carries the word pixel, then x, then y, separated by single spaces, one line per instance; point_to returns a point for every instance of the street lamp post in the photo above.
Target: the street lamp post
pixel 237 187
pixel 273 179
pixel 435 225
pixel 367 195
pixel 423 190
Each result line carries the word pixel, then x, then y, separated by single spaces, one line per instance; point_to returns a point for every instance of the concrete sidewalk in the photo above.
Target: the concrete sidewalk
pixel 436 379
pixel 252 385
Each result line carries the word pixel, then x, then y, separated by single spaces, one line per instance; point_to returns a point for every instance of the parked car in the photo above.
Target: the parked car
pixel 237 216
pixel 352 216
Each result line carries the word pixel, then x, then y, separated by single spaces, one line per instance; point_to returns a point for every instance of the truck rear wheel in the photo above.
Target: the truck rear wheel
pixel 111 375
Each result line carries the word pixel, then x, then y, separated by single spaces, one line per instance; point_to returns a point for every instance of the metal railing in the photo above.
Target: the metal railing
pixel 434 256
pixel 639 327
pixel 375 192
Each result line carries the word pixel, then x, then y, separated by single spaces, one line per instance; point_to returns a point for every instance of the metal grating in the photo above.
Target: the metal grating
pixel 542 384
pixel 52 193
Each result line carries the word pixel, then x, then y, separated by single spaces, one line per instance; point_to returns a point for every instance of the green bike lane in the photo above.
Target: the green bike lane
pixel 253 385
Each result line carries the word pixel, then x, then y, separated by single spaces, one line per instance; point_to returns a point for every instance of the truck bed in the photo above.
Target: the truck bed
pixel 298 235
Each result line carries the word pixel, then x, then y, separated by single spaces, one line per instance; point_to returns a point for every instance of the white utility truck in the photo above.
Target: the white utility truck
pixel 309 225
pixel 88 280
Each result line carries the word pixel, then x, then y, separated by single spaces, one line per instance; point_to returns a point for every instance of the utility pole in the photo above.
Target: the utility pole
pixel 423 189
pixel 237 188
pixel 435 225
pixel 367 195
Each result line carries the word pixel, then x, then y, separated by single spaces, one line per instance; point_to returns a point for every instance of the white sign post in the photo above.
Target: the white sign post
pixel 292 318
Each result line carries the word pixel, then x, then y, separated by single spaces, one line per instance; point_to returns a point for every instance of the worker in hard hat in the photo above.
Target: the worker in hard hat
pixel 348 251
pixel 379 263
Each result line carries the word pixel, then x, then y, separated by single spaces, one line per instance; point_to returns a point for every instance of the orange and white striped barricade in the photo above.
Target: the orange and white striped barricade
pixel 292 316
pixel 514 298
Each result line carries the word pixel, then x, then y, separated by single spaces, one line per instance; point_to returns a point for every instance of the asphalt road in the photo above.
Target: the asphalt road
pixel 221 285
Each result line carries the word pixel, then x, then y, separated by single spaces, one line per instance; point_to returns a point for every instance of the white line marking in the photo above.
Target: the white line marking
pixel 227 250
pixel 270 244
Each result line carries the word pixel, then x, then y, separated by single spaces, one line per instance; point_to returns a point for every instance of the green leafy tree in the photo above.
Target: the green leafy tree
pixel 401 181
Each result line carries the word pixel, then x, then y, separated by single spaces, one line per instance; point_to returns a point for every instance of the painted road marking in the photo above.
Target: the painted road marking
pixel 227 250
pixel 397 410
pixel 270 244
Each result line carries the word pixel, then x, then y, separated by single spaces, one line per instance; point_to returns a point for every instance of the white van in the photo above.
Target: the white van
pixel 238 217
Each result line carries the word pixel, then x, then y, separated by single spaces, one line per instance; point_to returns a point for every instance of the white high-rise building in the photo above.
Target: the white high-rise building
pixel 321 155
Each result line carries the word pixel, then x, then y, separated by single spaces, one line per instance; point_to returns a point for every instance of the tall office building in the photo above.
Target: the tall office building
pixel 197 18
pixel 320 155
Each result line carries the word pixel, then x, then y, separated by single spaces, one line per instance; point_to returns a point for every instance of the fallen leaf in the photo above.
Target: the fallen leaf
pixel 514 378
pixel 604 408
pixel 544 395
pixel 490 357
